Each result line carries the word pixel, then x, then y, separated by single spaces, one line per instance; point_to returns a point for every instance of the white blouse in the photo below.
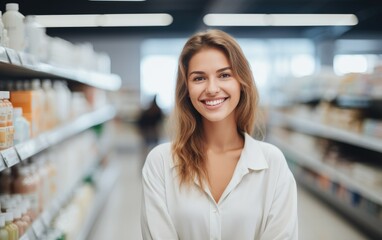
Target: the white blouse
pixel 259 203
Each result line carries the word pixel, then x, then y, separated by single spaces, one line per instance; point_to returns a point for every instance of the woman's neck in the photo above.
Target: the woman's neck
pixel 222 136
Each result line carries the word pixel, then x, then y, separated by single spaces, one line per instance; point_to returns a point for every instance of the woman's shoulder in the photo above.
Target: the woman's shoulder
pixel 159 156
pixel 271 153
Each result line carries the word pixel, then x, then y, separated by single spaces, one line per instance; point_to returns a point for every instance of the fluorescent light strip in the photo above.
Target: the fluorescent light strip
pixel 280 19
pixel 105 20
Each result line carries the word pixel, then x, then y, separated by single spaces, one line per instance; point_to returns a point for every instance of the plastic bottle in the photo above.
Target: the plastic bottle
pixel 50 104
pixel 34 37
pixel 13 230
pixel 21 126
pixel 5 38
pixel 64 97
pixel 39 95
pixel 26 184
pixel 24 213
pixel 17 220
pixel 9 110
pixel 25 98
pixel 13 21
pixel 4 235
pixel 3 122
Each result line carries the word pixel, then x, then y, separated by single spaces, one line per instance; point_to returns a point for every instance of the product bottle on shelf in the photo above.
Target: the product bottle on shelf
pixel 3 231
pixel 13 230
pixel 63 100
pixel 10 128
pixel 24 213
pixel 6 128
pixel 39 95
pixel 25 98
pixel 35 40
pixel 13 21
pixel 50 104
pixel 21 126
pixel 26 184
pixel 17 220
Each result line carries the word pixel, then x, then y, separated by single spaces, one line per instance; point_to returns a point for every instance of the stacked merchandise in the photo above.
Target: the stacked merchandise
pixel 336 122
pixel 53 173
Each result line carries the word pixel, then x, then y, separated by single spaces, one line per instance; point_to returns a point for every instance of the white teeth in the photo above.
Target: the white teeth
pixel 214 102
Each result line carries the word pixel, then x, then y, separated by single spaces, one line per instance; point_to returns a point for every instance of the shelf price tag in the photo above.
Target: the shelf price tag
pixel 38 228
pixel 3 55
pixel 10 157
pixel 26 149
pixel 13 56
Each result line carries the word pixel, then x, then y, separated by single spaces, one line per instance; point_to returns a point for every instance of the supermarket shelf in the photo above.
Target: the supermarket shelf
pixel 109 178
pixel 372 225
pixel 22 151
pixel 43 222
pixel 318 129
pixel 370 192
pixel 14 64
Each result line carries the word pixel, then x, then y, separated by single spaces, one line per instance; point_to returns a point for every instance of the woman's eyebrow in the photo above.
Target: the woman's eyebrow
pixel 201 72
pixel 223 69
pixel 196 72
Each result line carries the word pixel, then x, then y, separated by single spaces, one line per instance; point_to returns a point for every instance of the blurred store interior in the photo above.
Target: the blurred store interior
pixel 317 65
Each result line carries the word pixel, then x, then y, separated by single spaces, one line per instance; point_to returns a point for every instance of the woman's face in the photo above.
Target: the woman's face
pixel 212 88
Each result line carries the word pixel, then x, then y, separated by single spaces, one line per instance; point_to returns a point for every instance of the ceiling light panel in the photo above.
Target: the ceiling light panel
pixel 105 20
pixel 280 19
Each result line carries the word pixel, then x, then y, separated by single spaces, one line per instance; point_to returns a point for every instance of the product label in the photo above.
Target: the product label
pixel 26 149
pixel 3 55
pixel 13 56
pixel 3 138
pixel 10 157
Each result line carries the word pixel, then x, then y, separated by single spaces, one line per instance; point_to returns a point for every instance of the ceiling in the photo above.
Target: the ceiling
pixel 188 15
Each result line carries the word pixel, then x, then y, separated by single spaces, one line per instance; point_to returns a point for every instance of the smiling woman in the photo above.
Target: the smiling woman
pixel 214 181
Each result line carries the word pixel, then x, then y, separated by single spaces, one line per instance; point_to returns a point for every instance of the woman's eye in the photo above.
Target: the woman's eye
pixel 225 75
pixel 198 79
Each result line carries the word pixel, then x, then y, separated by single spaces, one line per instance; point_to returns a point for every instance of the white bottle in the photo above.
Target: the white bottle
pixel 13 21
pixel 34 36
pixel 21 125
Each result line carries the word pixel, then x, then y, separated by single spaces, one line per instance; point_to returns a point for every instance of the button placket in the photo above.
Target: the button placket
pixel 215 222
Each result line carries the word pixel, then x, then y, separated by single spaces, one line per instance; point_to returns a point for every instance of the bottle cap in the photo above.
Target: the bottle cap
pixel 12 6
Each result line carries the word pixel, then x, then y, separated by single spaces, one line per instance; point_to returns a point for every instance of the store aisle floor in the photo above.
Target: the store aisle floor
pixel 120 218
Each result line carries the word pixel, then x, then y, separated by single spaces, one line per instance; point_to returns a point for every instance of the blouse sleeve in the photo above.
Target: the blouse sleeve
pixel 156 223
pixel 282 221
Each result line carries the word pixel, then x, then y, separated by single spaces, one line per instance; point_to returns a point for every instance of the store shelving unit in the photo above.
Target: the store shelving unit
pixel 318 129
pixel 20 152
pixel 104 187
pixel 16 65
pixel 313 163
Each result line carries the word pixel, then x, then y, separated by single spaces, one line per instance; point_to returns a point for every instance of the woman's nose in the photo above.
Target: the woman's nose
pixel 212 87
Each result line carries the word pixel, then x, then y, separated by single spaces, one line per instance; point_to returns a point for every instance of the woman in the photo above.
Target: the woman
pixel 214 181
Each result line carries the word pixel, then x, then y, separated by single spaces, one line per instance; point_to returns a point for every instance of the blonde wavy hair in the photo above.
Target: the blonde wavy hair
pixel 187 148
